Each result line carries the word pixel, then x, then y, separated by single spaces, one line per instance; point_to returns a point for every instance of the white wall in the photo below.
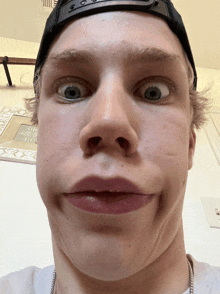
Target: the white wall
pixel 24 230
pixel 23 20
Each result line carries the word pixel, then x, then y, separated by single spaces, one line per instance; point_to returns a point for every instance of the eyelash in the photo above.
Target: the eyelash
pixel 153 80
pixel 69 80
pixel 157 80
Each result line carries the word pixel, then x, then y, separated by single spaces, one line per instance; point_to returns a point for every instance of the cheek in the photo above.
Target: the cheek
pixel 56 129
pixel 166 148
pixel 167 133
pixel 166 145
pixel 55 144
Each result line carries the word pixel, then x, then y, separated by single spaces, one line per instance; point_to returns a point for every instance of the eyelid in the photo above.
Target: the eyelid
pixel 70 80
pixel 149 80
pixel 158 80
pixel 155 81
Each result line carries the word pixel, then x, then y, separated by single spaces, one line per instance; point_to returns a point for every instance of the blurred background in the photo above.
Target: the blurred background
pixel 25 238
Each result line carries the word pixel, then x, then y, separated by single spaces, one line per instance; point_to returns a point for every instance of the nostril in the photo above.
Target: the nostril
pixel 123 143
pixel 93 142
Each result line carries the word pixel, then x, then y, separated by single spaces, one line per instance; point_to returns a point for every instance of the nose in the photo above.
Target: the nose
pixel 112 121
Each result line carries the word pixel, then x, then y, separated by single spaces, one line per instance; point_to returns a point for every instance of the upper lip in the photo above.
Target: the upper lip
pixel 97 184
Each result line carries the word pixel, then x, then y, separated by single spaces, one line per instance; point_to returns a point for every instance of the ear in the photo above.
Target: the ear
pixel 192 146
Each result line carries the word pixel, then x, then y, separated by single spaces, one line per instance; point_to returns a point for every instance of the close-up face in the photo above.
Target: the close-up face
pixel 120 108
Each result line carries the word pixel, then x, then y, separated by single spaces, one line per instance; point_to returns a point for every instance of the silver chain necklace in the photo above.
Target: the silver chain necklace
pixel 191 281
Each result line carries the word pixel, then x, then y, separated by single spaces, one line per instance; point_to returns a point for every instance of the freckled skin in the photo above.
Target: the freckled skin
pixel 141 251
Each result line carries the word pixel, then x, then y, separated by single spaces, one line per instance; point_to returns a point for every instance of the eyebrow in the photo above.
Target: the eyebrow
pixel 130 54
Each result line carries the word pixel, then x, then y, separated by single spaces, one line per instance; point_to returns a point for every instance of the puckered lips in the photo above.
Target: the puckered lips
pixel 107 196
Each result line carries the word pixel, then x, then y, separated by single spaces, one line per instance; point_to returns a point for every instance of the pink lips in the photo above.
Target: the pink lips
pixel 111 196
pixel 96 184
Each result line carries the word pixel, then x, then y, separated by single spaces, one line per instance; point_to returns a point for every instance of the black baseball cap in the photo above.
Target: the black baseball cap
pixel 68 10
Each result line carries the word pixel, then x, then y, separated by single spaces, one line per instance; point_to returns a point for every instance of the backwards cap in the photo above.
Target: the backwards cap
pixel 68 10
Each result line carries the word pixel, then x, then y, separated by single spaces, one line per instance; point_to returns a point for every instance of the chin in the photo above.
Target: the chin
pixel 109 274
pixel 107 264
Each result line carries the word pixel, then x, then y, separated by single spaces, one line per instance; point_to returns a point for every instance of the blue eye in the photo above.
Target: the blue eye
pixel 154 91
pixel 72 92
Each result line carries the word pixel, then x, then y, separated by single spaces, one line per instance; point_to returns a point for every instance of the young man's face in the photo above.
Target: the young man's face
pixel 114 104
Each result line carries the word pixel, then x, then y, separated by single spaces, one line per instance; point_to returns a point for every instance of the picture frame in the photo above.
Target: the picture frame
pixel 212 130
pixel 18 137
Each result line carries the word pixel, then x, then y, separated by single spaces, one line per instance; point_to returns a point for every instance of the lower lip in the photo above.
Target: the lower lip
pixel 108 204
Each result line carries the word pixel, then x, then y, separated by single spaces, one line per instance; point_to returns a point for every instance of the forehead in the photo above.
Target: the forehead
pixel 116 36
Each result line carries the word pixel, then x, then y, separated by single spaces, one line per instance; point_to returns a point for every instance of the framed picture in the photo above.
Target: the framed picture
pixel 18 137
pixel 212 130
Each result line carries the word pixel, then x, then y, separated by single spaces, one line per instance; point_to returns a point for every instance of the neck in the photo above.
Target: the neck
pixel 168 274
